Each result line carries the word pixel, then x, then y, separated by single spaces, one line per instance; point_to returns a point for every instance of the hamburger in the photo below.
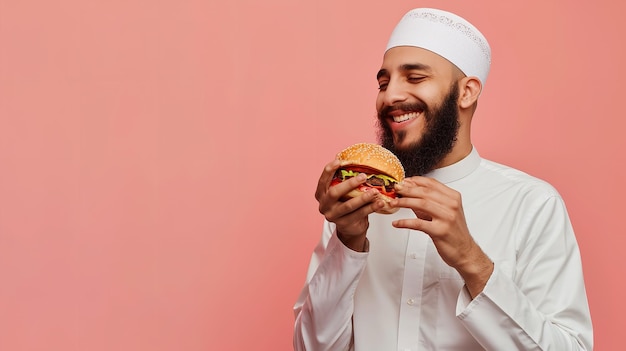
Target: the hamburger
pixel 382 167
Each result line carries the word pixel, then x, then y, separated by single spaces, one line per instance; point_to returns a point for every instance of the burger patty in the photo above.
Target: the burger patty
pixel 373 181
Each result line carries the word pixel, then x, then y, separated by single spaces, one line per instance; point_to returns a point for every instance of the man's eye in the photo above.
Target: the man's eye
pixel 415 79
pixel 382 86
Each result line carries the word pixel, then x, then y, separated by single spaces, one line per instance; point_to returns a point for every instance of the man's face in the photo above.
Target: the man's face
pixel 417 107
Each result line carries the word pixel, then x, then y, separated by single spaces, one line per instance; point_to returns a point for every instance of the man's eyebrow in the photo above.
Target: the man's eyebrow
pixel 406 67
pixel 415 67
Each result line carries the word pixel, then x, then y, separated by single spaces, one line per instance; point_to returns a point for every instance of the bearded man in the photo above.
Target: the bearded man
pixel 479 256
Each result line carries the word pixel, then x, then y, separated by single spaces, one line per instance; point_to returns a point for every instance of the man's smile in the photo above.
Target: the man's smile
pixel 405 116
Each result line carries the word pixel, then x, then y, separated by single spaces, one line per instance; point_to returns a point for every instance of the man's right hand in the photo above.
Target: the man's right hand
pixel 350 217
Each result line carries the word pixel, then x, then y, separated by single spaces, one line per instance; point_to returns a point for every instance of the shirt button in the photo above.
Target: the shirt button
pixel 410 301
pixel 413 256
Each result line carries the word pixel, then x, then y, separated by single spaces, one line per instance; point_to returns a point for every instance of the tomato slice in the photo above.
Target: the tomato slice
pixel 381 189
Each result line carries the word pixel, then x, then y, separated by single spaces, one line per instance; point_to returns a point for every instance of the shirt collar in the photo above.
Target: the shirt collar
pixel 457 170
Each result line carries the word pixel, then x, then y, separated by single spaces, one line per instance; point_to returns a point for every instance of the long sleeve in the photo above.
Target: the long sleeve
pixel 541 303
pixel 408 298
pixel 325 306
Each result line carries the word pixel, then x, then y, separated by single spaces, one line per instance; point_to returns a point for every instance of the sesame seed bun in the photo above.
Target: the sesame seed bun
pixel 373 156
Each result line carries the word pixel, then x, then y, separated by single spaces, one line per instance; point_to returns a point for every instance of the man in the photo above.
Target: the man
pixel 479 256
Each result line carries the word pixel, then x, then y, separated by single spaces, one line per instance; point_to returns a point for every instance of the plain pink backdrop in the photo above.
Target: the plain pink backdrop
pixel 158 159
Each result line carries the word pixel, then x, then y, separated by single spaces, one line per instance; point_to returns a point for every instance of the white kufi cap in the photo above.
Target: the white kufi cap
pixel 447 35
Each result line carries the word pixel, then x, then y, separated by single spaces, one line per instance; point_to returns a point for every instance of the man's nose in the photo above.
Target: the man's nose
pixel 394 93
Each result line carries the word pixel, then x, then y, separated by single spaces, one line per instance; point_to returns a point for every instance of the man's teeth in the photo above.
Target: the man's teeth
pixel 405 117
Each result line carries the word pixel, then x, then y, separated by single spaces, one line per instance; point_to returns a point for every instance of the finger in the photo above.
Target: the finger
pixel 427 185
pixel 332 196
pixel 343 188
pixel 423 208
pixel 358 205
pixel 366 198
pixel 413 223
pixel 326 177
pixel 428 189
pixel 444 202
pixel 356 222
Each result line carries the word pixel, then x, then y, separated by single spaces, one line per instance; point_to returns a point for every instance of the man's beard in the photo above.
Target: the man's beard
pixel 440 134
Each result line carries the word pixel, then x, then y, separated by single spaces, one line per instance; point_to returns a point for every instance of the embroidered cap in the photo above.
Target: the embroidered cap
pixel 448 35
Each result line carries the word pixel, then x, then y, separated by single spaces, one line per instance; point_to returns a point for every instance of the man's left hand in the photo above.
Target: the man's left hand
pixel 439 213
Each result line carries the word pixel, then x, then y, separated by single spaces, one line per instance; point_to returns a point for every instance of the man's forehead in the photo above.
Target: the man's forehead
pixel 407 57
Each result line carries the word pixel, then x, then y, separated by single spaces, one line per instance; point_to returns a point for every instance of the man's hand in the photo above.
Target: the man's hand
pixel 439 212
pixel 349 216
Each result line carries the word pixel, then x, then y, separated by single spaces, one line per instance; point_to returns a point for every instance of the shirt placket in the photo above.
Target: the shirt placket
pixel 410 310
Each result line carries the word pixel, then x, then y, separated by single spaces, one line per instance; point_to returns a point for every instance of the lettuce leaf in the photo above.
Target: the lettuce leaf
pixel 349 173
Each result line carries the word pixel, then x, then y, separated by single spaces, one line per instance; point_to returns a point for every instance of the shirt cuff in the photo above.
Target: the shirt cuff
pixel 334 244
pixel 488 316
pixel 465 304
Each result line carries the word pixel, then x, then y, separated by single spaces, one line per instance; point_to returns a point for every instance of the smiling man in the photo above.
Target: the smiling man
pixel 479 256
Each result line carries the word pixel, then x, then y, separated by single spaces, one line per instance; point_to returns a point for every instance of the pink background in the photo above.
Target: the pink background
pixel 158 159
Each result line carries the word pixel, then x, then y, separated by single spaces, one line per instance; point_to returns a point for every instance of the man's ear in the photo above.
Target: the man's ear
pixel 469 90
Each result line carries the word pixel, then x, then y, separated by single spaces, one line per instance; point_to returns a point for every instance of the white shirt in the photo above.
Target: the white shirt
pixel 402 296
